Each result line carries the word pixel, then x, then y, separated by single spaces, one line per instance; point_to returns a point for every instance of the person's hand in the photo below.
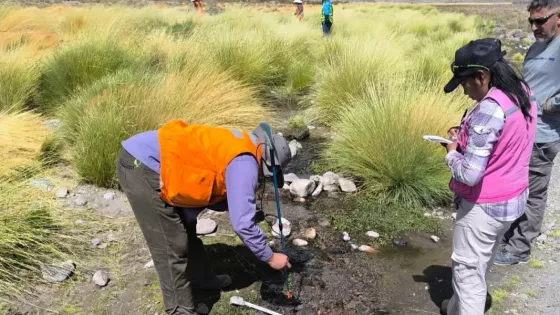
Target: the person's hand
pixel 279 261
pixel 547 109
pixel 453 133
pixel 452 146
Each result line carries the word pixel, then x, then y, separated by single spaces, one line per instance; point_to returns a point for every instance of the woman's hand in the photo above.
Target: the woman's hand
pixel 453 133
pixel 451 146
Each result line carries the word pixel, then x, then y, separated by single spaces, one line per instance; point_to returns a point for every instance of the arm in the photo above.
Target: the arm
pixel 485 126
pixel 241 182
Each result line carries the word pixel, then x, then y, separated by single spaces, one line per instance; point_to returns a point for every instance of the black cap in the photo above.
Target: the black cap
pixel 476 55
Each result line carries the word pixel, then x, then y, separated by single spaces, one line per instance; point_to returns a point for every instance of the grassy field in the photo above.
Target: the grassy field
pixel 108 72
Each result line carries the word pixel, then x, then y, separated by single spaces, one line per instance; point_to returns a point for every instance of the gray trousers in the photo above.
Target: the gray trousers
pixel 527 227
pixel 476 237
pixel 177 252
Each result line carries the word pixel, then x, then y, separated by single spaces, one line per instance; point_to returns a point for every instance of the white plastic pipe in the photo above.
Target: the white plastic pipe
pixel 237 300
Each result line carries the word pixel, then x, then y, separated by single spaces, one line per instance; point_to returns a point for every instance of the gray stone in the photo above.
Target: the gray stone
pixel 300 133
pixel 80 201
pixel 206 226
pixel 102 246
pixel 62 193
pixel 111 237
pixel 317 190
pixel 100 278
pixel 329 178
pixel 58 273
pixel 324 223
pixel 149 264
pixel 330 188
pixel 286 228
pixel 542 238
pixel 315 178
pixel 302 187
pixel 515 34
pixel 289 178
pixel 347 185
pixel 95 242
pixel 109 195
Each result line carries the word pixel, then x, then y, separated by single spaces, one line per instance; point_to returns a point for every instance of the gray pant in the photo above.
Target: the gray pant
pixel 177 252
pixel 528 226
pixel 475 241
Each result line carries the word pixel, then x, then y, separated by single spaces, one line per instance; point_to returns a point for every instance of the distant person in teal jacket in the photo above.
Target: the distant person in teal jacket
pixel 327 17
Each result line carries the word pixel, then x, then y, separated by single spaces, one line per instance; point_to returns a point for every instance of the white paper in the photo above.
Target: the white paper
pixel 437 139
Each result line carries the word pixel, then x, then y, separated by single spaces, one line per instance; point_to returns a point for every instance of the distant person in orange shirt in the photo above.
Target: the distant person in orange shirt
pixel 197 5
pixel 299 9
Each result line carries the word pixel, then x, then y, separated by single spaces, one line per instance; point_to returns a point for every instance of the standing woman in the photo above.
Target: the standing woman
pixel 489 162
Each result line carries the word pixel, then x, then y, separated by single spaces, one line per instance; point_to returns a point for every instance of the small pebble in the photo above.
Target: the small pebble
pixel 454 216
pixel 61 193
pixel 100 278
pixel 109 195
pixel 102 246
pixel 372 234
pixel 299 242
pixel 79 222
pixel 324 223
pixel 310 233
pixel 434 238
pixel 426 288
pixel 149 264
pixel 95 242
pixel 345 236
pixel 354 246
pixel 80 201
pixel 367 249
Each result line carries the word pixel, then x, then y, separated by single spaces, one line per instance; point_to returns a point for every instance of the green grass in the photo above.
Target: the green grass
pixel 530 294
pixel 536 264
pixel 79 65
pixel 554 234
pixel 18 80
pixel 512 283
pixel 499 295
pixel 367 212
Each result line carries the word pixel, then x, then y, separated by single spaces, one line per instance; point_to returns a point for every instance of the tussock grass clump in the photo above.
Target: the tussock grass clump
pixel 79 65
pixel 379 140
pixel 18 79
pixel 118 106
pixel 30 233
pixel 21 138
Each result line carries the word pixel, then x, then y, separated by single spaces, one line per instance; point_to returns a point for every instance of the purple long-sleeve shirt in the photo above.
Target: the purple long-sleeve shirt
pixel 241 183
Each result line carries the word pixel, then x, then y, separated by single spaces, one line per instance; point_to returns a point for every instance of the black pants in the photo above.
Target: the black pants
pixel 177 252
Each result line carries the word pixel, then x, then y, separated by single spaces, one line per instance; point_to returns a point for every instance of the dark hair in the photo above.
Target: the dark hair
pixel 539 4
pixel 503 77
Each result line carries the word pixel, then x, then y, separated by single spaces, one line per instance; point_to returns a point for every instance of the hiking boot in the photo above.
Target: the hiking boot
pixel 505 258
pixel 218 283
pixel 444 305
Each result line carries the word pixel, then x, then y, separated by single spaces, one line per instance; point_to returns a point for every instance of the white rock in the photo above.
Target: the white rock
pixel 289 178
pixel 324 223
pixel 102 246
pixel 149 264
pixel 310 127
pixel 299 146
pixel 315 178
pixel 79 222
pixel 286 228
pixel 95 242
pixel 271 243
pixel 347 185
pixel 434 238
pixel 454 216
pixel 299 242
pixel 426 288
pixel 302 187
pixel 62 193
pixel 365 248
pixel 280 134
pixel 109 195
pixel 329 178
pixel 330 188
pixel 317 190
pixel 111 237
pixel 286 187
pixel 80 201
pixel 100 278
pixel 205 226
pixel 345 236
pixel 310 233
pixel 372 234
pixel 299 199
pixel 542 238
pixel 354 246
pixel 293 147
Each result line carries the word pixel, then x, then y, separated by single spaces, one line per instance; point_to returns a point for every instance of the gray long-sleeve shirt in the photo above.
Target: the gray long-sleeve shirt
pixel 541 70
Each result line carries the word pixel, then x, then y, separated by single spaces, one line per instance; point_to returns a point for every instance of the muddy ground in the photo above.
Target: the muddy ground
pixel 327 277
